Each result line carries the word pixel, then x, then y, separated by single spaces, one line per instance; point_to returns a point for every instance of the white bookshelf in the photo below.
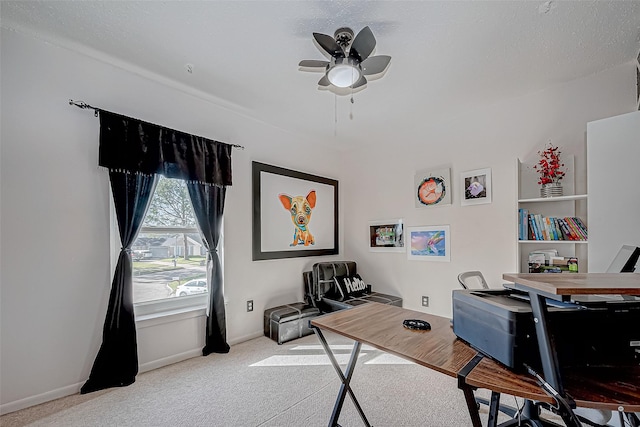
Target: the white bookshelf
pixel 570 204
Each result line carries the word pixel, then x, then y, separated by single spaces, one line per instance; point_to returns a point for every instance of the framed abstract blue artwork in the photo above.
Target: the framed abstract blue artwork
pixel 429 243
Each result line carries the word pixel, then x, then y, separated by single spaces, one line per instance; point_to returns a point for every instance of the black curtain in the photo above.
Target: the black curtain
pixel 208 205
pixel 117 362
pixel 135 152
pixel 141 147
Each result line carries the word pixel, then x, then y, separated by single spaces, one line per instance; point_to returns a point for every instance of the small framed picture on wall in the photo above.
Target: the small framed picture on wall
pixel 432 187
pixel 476 187
pixel 429 243
pixel 386 236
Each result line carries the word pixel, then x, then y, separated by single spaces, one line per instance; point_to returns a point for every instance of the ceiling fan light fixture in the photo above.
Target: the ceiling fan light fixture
pixel 349 58
pixel 343 75
pixel 344 72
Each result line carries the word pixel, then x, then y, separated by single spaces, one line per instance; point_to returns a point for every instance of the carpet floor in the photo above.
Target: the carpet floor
pixel 262 384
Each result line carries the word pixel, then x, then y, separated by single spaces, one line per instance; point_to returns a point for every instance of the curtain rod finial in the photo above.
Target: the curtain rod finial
pixel 83 105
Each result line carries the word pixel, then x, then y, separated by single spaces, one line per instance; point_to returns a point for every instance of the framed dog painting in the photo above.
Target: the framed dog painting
pixel 295 214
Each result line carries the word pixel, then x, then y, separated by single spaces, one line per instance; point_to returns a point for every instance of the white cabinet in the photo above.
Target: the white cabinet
pixel 613 162
pixel 568 205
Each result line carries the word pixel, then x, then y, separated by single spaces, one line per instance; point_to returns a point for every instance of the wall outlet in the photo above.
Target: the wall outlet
pixel 250 305
pixel 425 301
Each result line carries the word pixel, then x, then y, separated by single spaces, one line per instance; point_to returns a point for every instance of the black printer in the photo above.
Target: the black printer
pixel 499 323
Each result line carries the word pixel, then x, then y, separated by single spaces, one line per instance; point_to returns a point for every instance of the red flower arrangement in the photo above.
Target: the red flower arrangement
pixel 549 166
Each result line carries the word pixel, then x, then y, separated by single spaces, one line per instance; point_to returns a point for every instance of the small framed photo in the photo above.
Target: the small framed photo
pixel 476 187
pixel 429 243
pixel 386 236
pixel 432 188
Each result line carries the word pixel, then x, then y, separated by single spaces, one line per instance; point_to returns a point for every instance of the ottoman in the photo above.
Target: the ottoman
pixel 288 322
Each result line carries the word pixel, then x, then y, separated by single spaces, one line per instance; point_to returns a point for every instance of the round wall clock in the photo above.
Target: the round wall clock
pixel 431 190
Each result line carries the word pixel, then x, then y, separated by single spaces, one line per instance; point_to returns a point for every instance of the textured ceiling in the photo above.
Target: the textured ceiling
pixel 447 56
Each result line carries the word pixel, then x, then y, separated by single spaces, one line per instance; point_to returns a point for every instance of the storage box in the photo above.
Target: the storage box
pixel 288 322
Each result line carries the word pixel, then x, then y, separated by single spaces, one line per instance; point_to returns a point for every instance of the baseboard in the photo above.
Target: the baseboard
pixel 169 360
pixel 245 338
pixel 40 398
pixel 175 358
pixel 145 367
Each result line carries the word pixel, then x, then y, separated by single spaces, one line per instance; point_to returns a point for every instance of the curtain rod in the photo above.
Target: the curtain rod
pixel 85 106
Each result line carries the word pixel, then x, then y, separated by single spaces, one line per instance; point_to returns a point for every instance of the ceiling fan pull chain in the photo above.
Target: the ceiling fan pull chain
pixel 335 115
pixel 351 106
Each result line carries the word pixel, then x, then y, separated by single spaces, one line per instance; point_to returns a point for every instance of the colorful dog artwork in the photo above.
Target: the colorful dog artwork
pixel 300 209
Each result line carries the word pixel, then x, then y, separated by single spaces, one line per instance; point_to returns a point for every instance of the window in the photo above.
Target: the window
pixel 169 257
pixel 169 229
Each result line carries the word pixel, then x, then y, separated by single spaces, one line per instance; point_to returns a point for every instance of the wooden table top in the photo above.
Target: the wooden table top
pixel 492 375
pixel 578 283
pixel 380 326
pixel 600 388
pixel 604 388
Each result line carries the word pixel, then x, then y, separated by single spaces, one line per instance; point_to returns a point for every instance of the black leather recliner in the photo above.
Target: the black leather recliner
pixel 319 288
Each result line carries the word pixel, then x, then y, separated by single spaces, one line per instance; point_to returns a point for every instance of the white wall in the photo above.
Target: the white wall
pixel 378 184
pixel 55 272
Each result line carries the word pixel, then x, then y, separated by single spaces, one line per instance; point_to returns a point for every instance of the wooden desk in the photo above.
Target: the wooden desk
pixel 380 326
pixel 568 284
pixel 615 389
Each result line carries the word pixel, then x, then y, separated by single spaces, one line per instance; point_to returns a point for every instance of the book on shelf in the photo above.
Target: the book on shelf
pixel 564 228
pixel 552 228
pixel 541 226
pixel 577 224
pixel 523 224
pixel 582 229
pixel 534 228
pixel 556 228
pixel 538 227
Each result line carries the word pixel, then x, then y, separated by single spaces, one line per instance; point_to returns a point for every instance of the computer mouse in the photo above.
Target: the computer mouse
pixel 415 324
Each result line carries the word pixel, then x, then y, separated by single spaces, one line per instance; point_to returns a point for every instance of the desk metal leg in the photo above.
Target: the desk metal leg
pixel 631 419
pixel 548 354
pixel 345 378
pixel 472 405
pixel 493 409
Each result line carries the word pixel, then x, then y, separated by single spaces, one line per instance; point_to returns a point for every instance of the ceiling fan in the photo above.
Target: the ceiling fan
pixel 349 60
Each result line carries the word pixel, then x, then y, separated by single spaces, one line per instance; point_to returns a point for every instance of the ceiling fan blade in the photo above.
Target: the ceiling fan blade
pixel 361 82
pixel 375 64
pixel 362 45
pixel 329 45
pixel 324 81
pixel 312 63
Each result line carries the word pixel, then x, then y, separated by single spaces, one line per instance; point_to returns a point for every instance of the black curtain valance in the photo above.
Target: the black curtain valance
pixel 135 146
